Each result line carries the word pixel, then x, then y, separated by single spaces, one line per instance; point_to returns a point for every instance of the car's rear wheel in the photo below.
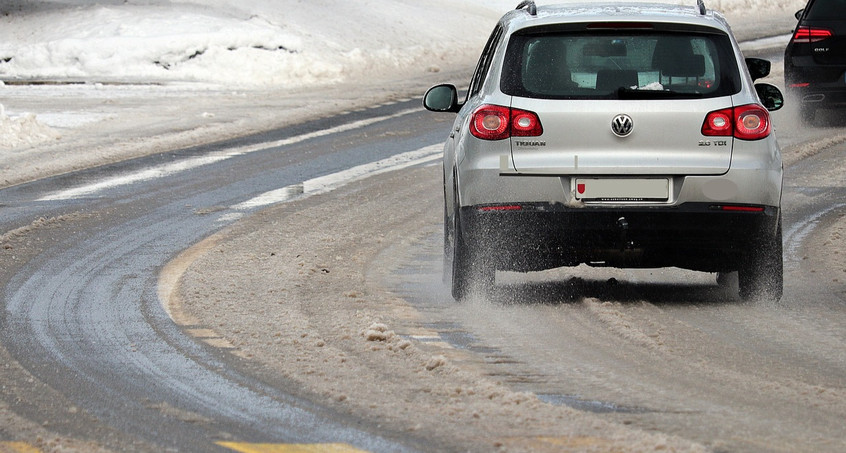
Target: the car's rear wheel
pixel 461 278
pixel 471 271
pixel 449 241
pixel 762 274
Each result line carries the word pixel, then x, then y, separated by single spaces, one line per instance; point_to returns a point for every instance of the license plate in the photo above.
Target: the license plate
pixel 622 189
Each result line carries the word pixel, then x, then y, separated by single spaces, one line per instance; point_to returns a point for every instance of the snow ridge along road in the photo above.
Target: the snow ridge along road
pixel 188 164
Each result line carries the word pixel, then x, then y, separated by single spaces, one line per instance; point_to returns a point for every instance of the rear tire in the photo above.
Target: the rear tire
pixel 461 279
pixel 470 270
pixel 762 273
pixel 449 239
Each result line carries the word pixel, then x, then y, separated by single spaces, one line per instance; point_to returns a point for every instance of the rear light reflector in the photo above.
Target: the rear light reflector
pixel 742 208
pixel 501 208
pixel 747 122
pixel 800 85
pixel 495 122
pixel 811 34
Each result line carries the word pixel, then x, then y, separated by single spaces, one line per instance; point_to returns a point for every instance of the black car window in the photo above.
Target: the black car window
pixel 484 64
pixel 620 65
pixel 827 10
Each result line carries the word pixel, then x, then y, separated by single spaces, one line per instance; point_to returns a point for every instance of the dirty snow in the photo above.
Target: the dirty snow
pixel 23 130
pixel 317 315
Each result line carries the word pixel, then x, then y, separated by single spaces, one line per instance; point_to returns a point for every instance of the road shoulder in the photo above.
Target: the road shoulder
pixel 290 289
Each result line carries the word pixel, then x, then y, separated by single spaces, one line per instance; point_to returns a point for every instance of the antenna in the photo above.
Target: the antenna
pixel 701 4
pixel 532 9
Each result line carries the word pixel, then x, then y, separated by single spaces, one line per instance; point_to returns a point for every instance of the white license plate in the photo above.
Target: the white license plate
pixel 622 189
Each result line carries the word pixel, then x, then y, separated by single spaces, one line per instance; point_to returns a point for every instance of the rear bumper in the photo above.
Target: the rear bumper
pixel 699 236
pixel 820 96
pixel 816 85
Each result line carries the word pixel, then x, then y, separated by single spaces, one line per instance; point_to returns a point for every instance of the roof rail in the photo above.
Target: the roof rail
pixel 530 7
pixel 701 5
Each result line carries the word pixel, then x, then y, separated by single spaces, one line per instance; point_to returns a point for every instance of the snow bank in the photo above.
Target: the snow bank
pixel 23 130
pixel 249 44
pixel 258 43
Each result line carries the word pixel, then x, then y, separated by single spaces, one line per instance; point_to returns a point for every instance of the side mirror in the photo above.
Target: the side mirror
pixel 442 98
pixel 758 68
pixel 770 96
pixel 799 13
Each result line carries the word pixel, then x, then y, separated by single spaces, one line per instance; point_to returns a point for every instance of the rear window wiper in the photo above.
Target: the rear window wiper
pixel 635 93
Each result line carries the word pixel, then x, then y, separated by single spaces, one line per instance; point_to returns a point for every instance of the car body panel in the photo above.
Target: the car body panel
pixel 578 139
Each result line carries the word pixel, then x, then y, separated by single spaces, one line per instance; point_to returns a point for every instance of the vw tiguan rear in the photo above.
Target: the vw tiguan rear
pixel 622 135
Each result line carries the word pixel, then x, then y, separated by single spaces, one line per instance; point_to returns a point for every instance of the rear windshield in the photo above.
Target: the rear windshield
pixel 620 65
pixel 827 10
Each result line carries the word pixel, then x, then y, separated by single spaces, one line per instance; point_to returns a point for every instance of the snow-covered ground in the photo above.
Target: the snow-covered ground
pixel 156 62
pixel 258 43
pixel 250 43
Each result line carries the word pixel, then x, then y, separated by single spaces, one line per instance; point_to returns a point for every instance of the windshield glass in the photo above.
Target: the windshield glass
pixel 580 65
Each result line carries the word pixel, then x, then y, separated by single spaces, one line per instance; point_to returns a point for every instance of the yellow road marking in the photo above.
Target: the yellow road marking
pixel 17 447
pixel 290 448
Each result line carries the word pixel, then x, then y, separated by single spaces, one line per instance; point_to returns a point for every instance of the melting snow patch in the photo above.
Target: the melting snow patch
pixel 23 130
pixel 378 332
pixel 435 362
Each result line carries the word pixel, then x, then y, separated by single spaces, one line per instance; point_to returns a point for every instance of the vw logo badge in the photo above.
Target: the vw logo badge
pixel 622 125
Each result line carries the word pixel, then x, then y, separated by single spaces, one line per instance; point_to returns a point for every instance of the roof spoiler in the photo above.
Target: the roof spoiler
pixel 530 7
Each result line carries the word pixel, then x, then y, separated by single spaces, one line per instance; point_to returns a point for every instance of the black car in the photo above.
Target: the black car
pixel 815 58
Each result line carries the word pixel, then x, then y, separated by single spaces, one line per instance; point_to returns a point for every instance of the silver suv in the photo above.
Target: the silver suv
pixel 623 135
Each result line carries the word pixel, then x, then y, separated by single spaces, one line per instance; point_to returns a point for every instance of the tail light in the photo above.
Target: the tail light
pixel 494 122
pixel 747 122
pixel 811 34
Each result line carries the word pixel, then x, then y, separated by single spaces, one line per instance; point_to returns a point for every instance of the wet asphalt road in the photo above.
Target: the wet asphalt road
pixel 82 314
